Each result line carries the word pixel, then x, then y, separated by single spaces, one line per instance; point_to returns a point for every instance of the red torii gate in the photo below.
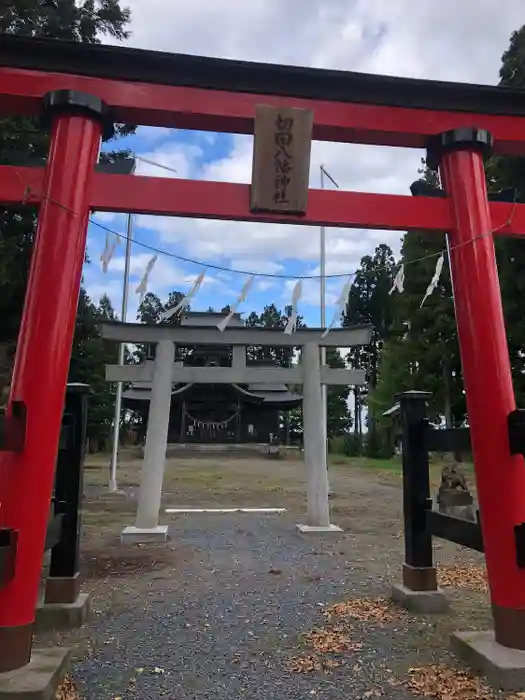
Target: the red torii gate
pixel 82 88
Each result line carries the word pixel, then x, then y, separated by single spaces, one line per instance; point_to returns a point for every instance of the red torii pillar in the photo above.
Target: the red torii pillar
pixel 500 475
pixel 43 355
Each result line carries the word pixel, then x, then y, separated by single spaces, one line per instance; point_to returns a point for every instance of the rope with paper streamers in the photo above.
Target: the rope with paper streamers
pixel 143 286
pixel 291 325
pixel 233 310
pixel 398 284
pixel 185 302
pixel 210 424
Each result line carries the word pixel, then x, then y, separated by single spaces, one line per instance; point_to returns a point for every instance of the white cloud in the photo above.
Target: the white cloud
pixel 174 159
pixel 312 293
pixel 265 283
pixel 164 278
pixel 257 265
pixel 443 41
pixel 164 275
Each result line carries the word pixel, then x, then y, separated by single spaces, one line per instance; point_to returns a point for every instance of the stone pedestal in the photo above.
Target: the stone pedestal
pixel 56 616
pixel 39 679
pixel 419 591
pixel 425 602
pixel 306 529
pixel 457 503
pixel 503 667
pixel 144 535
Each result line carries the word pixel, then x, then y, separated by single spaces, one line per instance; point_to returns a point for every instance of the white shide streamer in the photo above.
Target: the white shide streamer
pixel 399 281
pixel 143 286
pixel 435 278
pixel 108 252
pixel 296 295
pixel 242 297
pixel 339 305
pixel 185 302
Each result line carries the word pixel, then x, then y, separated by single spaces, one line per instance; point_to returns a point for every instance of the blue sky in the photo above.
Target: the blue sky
pixel 442 41
pixel 286 251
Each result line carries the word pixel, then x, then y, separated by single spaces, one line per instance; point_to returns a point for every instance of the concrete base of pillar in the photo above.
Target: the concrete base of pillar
pixel 426 602
pixel 504 668
pixel 319 528
pixel 144 535
pixel 39 679
pixel 55 616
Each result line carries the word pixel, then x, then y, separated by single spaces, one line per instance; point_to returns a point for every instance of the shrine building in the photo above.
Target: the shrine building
pixel 220 413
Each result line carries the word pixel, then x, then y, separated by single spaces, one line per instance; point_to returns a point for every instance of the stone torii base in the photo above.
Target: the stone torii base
pixel 164 371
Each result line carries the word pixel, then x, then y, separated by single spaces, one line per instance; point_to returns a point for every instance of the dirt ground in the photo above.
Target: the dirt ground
pixel 366 501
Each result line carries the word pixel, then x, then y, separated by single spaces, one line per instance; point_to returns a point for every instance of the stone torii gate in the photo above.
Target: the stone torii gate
pixel 164 371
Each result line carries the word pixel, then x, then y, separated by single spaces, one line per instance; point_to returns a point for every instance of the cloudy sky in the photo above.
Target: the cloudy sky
pixel 443 40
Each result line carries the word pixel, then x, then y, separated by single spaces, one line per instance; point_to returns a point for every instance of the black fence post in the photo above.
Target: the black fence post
pixel 63 581
pixel 419 573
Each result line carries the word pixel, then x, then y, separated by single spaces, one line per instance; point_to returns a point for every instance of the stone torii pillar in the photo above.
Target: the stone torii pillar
pixel 164 371
pixel 318 508
pixel 147 524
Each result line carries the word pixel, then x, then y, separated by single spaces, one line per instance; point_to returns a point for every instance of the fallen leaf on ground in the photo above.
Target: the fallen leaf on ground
pixel 455 576
pixel 67 690
pixel 443 682
pixel 309 664
pixel 366 610
pixel 333 640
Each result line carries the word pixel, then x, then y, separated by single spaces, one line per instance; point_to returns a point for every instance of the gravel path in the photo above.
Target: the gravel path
pixel 225 626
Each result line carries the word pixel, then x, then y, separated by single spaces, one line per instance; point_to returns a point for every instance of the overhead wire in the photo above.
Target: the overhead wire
pixel 272 275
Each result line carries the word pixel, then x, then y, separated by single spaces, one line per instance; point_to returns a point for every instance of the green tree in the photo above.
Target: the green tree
pixel 150 310
pixel 508 172
pixel 90 354
pixel 66 19
pixel 422 350
pixel 105 309
pixel 174 298
pixel 23 138
pixel 369 301
pixel 272 317
pixel 338 417
pixel 429 354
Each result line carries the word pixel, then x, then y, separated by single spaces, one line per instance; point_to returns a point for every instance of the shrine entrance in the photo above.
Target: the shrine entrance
pixel 164 373
pixel 81 90
pixel 219 413
pixel 205 422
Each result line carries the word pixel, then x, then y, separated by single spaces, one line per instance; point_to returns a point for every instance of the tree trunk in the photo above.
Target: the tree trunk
pixel 356 406
pixel 447 408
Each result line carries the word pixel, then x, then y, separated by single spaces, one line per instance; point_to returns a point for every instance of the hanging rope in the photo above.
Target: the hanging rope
pixel 213 425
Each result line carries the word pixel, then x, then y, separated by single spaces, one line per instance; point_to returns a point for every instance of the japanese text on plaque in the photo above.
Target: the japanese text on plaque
pixel 283 159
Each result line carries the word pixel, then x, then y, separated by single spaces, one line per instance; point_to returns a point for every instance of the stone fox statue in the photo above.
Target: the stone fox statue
pixel 452 479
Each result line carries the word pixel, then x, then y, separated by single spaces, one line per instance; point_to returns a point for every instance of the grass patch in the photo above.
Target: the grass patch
pixel 389 465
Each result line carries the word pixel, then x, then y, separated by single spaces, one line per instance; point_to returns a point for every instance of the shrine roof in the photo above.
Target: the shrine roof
pixel 156 67
pixel 274 394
